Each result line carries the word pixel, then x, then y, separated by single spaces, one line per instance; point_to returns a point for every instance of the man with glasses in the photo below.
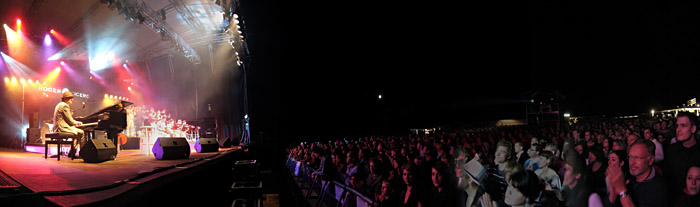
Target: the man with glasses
pixel 647 187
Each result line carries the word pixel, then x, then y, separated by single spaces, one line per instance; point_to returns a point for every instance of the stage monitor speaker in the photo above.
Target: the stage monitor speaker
pixel 34 120
pixel 33 136
pixel 98 150
pixel 206 145
pixel 167 148
pixel 131 143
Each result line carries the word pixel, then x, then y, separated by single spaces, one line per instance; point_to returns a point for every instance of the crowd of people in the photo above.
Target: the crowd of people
pixel 643 161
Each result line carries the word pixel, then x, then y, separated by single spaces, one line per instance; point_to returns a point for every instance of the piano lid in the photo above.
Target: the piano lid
pixel 114 107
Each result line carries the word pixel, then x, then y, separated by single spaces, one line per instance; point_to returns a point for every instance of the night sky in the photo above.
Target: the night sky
pixel 437 64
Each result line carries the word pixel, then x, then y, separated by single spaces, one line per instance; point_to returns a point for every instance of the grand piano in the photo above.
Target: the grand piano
pixel 111 119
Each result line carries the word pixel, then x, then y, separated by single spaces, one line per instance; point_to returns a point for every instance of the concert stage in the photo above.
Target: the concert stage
pixel 123 181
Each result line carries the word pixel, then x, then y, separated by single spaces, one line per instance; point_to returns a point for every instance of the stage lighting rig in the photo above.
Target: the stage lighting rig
pixel 138 10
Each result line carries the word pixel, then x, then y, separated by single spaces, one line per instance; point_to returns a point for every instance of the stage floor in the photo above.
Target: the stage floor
pixel 44 175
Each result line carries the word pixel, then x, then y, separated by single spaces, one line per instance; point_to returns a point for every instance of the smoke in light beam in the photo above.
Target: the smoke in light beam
pixel 17 68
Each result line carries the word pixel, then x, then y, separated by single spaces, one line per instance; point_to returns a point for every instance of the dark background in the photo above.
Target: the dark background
pixel 438 64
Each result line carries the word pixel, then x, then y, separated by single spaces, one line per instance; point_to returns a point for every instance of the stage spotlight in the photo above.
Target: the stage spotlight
pixel 127 61
pixel 19 21
pixel 44 83
pixel 63 63
pixel 14 80
pixel 124 65
pixel 7 80
pixel 21 80
pixel 129 88
pixel 47 40
pixel 111 96
pixel 36 81
pixel 29 81
pixel 52 31
pixel 110 55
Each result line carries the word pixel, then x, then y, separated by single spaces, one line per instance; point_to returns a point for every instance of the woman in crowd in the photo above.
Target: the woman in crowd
pixel 596 170
pixel 523 191
pixel 387 197
pixel 444 192
pixel 607 145
pixel 412 195
pixel 690 196
pixel 615 158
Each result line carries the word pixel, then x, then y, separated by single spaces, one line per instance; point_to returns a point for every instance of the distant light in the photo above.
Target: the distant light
pixel 380 96
pixel 44 83
pixel 129 88
pixel 63 63
pixel 567 115
pixel 52 31
pixel 127 61
pixel 532 100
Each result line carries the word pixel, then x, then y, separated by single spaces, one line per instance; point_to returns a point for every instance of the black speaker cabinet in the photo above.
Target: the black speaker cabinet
pixel 98 150
pixel 33 136
pixel 171 148
pixel 131 143
pixel 207 145
pixel 34 120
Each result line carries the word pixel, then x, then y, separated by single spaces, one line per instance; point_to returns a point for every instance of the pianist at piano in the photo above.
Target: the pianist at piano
pixel 63 121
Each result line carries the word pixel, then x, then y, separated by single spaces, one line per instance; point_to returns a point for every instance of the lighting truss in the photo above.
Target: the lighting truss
pixel 139 11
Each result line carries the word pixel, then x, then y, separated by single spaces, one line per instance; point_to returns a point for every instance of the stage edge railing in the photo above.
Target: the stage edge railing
pixel 326 193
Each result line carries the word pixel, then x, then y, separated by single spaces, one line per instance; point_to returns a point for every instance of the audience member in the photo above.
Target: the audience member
pixel 647 187
pixel 649 135
pixel 690 196
pixel 444 191
pixel 682 154
pixel 520 154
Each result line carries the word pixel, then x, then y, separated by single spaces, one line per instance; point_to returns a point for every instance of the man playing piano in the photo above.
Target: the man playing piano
pixel 63 121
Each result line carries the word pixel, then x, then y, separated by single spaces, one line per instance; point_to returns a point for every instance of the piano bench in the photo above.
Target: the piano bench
pixel 57 138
